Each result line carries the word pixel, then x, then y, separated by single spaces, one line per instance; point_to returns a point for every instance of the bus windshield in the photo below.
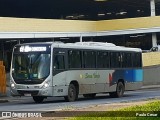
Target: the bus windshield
pixel 31 66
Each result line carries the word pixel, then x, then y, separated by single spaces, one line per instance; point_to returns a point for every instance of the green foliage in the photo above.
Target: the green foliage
pixel 151 106
pixel 128 113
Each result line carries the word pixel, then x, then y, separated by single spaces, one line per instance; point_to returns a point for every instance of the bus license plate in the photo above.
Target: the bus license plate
pixel 27 94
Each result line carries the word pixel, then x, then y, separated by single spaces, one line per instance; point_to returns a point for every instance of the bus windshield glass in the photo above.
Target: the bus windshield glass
pixel 31 66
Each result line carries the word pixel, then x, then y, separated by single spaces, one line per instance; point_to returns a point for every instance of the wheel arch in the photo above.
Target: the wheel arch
pixel 121 80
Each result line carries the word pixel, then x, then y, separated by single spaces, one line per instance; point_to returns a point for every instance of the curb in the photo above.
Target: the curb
pixel 150 86
pixel 3 98
pixel 3 101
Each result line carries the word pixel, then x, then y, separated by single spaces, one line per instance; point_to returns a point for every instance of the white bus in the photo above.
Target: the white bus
pixel 44 70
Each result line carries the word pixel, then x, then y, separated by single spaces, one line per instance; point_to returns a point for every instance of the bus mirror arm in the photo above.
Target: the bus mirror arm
pixel 12 70
pixel 54 68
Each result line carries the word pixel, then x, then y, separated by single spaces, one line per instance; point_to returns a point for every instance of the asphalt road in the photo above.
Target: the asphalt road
pixel 58 103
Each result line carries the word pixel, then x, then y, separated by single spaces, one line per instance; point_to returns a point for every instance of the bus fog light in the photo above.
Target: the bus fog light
pixel 12 85
pixel 45 92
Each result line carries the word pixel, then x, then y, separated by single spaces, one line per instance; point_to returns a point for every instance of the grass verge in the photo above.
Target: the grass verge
pixel 149 111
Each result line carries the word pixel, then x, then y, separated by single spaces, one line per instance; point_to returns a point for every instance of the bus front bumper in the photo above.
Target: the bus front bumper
pixel 32 92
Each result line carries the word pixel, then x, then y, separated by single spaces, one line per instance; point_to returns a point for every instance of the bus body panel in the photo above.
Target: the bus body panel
pixel 88 82
pixel 60 90
pixel 91 81
pixel 59 79
pixel 138 75
pixel 135 75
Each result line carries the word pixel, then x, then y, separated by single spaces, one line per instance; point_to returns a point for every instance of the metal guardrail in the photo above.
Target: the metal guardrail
pixel 2 78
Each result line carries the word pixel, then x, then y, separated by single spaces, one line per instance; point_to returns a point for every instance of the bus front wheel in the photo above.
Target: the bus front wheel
pixel 38 99
pixel 72 93
pixel 119 90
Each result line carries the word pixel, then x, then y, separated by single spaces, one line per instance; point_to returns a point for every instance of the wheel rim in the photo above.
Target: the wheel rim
pixel 120 90
pixel 71 93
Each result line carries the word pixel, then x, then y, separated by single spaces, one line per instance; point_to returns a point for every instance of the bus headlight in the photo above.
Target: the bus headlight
pixel 45 85
pixel 13 85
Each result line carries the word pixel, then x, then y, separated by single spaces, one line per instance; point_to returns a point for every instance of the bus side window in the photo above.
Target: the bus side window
pixel 59 62
pixel 137 62
pixel 74 59
pixel 115 59
pixel 89 58
pixel 127 60
pixel 102 60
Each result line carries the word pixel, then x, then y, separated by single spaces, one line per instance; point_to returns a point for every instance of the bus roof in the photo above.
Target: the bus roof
pixel 87 45
pixel 95 46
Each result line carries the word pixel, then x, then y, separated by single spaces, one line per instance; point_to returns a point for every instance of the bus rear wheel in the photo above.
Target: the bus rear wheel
pixel 72 93
pixel 38 99
pixel 119 90
pixel 89 95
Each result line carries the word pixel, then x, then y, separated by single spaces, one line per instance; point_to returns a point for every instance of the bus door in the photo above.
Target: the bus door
pixel 59 67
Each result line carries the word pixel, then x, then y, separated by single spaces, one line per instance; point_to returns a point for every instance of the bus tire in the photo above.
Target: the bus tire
pixel 119 91
pixel 38 99
pixel 89 95
pixel 72 93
